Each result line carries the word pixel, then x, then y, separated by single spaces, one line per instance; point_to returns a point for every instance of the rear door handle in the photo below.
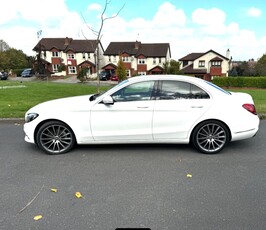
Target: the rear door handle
pixel 197 106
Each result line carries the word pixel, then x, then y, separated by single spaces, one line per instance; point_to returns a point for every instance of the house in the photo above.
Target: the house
pixel 66 56
pixel 206 65
pixel 138 58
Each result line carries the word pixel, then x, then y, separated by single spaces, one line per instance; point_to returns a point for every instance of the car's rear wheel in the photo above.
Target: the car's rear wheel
pixel 55 137
pixel 210 137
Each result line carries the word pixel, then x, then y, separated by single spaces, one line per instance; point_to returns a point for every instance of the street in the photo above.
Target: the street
pixel 131 186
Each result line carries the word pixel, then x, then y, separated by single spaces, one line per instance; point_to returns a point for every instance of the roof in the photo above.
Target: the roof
pixel 138 48
pixel 66 44
pixel 189 70
pixel 194 56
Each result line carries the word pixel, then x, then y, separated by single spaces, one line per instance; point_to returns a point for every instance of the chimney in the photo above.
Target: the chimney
pixel 228 53
pixel 67 41
pixel 137 45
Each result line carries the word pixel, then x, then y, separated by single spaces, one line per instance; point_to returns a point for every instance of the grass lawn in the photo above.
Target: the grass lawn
pixel 259 97
pixel 17 98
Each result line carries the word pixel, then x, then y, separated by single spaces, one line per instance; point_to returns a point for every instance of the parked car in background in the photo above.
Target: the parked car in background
pixel 154 109
pixel 3 75
pixel 27 73
pixel 114 78
pixel 105 75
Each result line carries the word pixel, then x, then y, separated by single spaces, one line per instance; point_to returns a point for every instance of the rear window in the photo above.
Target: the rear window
pixel 217 87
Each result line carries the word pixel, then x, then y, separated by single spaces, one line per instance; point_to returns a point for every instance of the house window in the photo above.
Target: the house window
pixel 70 56
pixel 141 61
pixel 114 58
pixel 109 58
pixel 72 70
pixel 216 63
pixel 160 60
pixel 154 61
pixel 125 59
pixel 83 56
pixel 201 63
pixel 55 67
pixel 55 54
pixel 185 63
pixel 141 73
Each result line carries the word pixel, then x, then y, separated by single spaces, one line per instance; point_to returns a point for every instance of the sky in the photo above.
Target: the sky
pixel 189 26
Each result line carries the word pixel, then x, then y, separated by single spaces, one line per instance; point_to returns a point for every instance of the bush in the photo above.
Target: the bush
pixel 254 82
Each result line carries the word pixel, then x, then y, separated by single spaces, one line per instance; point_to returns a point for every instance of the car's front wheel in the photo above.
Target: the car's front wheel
pixel 210 137
pixel 55 137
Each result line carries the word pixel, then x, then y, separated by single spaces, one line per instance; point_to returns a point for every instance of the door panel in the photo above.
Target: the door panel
pixel 174 118
pixel 122 121
pixel 178 106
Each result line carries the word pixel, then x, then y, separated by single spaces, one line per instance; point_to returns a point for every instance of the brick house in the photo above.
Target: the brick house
pixel 206 65
pixel 67 54
pixel 138 58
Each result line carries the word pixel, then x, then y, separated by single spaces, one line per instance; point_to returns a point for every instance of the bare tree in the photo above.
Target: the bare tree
pixel 98 34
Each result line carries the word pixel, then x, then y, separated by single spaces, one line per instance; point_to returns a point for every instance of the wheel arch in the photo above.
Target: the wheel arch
pixel 48 120
pixel 210 120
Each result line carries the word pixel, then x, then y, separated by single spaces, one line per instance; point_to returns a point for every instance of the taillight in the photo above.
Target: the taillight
pixel 250 107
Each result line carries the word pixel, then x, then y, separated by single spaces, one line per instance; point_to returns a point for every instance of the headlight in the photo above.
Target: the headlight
pixel 31 116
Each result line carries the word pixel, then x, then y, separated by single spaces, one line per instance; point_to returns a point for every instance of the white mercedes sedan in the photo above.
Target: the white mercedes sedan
pixel 145 109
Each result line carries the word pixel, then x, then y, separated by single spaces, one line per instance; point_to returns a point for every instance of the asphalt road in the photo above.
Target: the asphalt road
pixel 132 186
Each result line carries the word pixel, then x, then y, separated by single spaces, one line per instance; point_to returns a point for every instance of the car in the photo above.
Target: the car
pixel 145 109
pixel 114 78
pixel 3 75
pixel 27 73
pixel 104 76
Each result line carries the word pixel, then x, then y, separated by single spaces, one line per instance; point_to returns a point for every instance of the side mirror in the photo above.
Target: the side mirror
pixel 108 100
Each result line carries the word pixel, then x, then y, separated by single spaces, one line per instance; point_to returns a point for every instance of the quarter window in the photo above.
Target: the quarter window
pixel 176 90
pixel 136 92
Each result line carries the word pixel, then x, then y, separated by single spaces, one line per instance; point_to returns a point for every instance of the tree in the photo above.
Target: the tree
pixel 98 34
pixel 261 66
pixel 3 46
pixel 172 67
pixel 82 74
pixel 13 59
pixel 121 71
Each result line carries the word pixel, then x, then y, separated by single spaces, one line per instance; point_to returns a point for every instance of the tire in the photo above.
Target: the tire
pixel 55 137
pixel 210 137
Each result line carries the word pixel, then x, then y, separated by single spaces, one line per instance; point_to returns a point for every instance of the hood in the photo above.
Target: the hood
pixel 76 103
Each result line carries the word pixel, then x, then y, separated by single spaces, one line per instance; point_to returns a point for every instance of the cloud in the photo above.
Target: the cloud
pixel 211 21
pixel 200 31
pixel 95 6
pixel 167 15
pixel 254 12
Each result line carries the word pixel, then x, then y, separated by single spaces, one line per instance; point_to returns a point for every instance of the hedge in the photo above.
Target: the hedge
pixel 254 82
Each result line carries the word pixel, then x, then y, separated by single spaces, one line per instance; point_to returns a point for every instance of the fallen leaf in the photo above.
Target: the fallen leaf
pixel 78 195
pixel 53 189
pixel 38 217
pixel 189 175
